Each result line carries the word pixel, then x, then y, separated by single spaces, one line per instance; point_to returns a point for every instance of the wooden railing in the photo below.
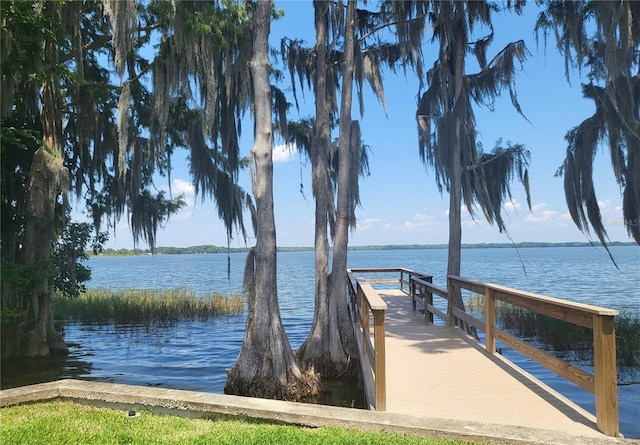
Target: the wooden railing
pixel 365 304
pixel 365 301
pixel 602 383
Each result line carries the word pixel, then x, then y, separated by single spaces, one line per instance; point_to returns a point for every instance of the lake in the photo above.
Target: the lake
pixel 194 355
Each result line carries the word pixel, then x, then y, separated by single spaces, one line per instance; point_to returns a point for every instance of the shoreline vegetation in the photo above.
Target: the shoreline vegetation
pixel 206 249
pixel 145 306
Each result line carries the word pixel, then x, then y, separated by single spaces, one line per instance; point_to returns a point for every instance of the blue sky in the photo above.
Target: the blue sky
pixel 400 201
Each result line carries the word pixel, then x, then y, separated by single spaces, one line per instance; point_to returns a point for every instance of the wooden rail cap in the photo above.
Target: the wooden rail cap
pixel 375 302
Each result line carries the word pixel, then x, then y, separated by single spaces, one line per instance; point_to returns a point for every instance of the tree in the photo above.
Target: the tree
pixel 70 252
pixel 347 180
pixel 67 127
pixel 336 167
pixel 203 58
pixel 604 38
pixel 322 350
pixel 265 366
pixel 57 115
pixel 446 122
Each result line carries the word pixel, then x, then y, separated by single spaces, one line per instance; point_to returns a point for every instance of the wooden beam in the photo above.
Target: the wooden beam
pixel 604 363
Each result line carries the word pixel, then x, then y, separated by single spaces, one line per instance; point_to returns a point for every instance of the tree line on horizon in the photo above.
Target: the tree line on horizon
pixel 99 96
pixel 208 249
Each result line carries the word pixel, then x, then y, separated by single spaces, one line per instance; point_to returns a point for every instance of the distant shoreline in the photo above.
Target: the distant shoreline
pixel 205 249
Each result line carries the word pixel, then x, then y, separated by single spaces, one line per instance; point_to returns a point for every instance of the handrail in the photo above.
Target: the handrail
pixel 603 382
pixel 364 303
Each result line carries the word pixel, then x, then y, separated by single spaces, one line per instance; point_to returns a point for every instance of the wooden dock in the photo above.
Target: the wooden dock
pixel 438 372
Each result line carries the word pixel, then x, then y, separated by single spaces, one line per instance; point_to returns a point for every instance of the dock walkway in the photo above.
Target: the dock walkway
pixel 438 372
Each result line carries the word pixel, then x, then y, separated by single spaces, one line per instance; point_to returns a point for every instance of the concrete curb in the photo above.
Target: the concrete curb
pixel 197 404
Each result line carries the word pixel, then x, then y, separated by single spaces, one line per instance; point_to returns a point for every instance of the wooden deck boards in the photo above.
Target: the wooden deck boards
pixel 437 372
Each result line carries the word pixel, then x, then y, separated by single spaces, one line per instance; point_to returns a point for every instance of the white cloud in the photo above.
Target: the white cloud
pixel 566 216
pixel 411 225
pixel 419 220
pixel 188 192
pixel 368 223
pixel 284 152
pixel 181 187
pixel 544 215
pixel 185 188
pixel 538 207
pixel 512 206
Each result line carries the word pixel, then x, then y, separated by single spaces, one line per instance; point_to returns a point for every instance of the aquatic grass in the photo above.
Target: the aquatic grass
pixel 64 422
pixel 144 306
pixel 567 338
pixel 628 339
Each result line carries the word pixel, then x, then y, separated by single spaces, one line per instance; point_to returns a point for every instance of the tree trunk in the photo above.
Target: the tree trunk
pixel 323 349
pixel 457 167
pixel 36 335
pixel 338 277
pixel 266 366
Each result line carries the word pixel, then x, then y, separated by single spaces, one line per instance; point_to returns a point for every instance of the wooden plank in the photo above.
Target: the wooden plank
pixel 367 372
pixel 468 318
pixel 375 302
pixel 451 319
pixel 604 361
pixel 442 315
pixel 381 280
pixel 591 309
pixel 489 321
pixel 580 314
pixel 571 315
pixel 465 283
pixel 380 360
pixel 428 302
pixel 377 270
pixel 369 349
pixel 437 372
pixel 577 313
pixel 563 369
pixel 431 287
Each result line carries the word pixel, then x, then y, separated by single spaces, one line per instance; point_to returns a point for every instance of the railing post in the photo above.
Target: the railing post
pixel 489 320
pixel 604 364
pixel 451 321
pixel 428 300
pixel 364 313
pixel 380 369
pixel 402 280
pixel 412 292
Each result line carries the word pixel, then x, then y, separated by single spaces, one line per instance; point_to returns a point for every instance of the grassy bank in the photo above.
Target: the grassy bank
pixel 571 341
pixel 140 306
pixel 64 422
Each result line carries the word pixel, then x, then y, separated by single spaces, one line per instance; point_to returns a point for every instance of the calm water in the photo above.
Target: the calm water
pixel 194 355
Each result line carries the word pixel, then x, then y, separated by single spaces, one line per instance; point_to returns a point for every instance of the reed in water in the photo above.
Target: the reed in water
pixel 567 338
pixel 147 307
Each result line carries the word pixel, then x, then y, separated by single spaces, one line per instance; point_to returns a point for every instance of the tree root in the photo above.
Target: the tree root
pixel 301 388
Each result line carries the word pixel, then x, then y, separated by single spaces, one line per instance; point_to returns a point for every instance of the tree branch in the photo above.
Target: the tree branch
pixel 104 39
pixel 387 25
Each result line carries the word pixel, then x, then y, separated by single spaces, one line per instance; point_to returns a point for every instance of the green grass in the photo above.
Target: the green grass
pixel 65 422
pixel 142 306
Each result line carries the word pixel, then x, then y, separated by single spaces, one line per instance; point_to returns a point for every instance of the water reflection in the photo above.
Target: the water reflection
pixel 28 371
pixel 191 355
